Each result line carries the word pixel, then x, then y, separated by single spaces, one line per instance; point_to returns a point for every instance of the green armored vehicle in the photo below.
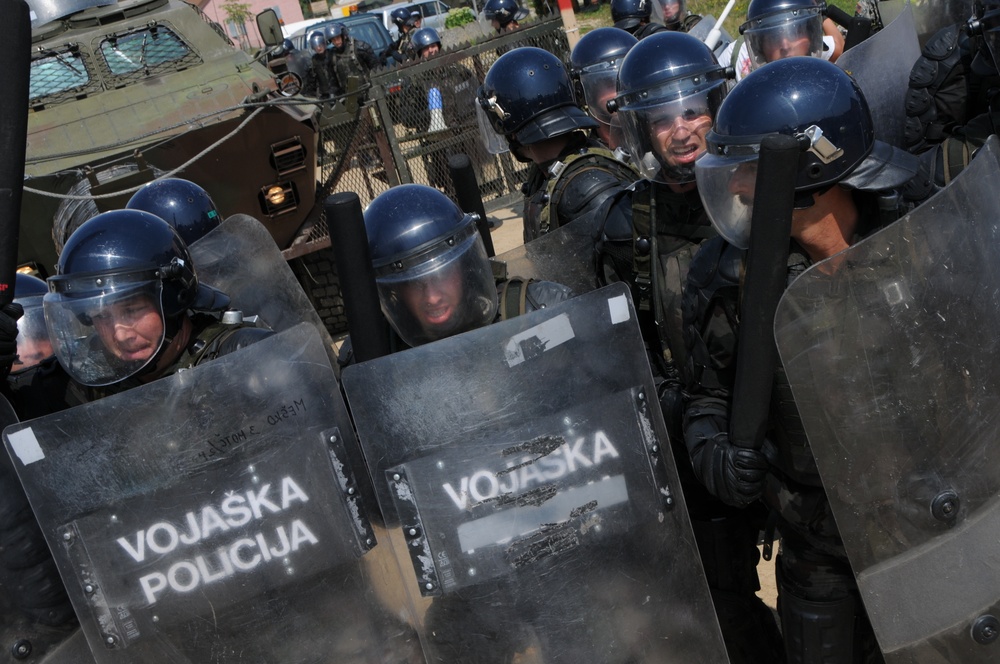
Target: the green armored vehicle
pixel 124 92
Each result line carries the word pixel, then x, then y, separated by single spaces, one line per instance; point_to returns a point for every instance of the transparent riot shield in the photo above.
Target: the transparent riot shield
pixel 239 258
pixel 564 255
pixel 881 66
pixel 533 497
pixel 929 15
pixel 218 515
pixel 890 348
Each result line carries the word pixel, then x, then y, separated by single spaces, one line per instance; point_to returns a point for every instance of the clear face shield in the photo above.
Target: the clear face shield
pixel 785 35
pixel 105 328
pixel 726 186
pixel 669 12
pixel 599 82
pixel 664 130
pixel 33 345
pixel 444 290
pixel 495 143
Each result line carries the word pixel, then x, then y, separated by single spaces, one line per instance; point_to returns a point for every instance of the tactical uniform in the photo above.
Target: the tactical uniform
pixel 355 58
pixel 319 81
pixel 577 185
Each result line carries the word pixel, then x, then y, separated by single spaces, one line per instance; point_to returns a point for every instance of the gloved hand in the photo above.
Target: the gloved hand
pixel 734 474
pixel 9 313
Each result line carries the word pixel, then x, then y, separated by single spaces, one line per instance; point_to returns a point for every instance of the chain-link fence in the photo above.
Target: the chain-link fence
pixel 415 116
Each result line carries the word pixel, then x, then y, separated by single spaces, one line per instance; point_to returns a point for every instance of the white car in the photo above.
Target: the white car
pixel 434 13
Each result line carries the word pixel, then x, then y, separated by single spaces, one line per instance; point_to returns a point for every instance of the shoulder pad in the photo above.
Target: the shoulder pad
pixel 942 43
pixel 717 264
pixel 690 21
pixel 543 294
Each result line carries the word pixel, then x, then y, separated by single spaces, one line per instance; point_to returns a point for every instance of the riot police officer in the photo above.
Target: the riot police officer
pixel 776 29
pixel 401 49
pixel 635 17
pixel 595 61
pixel 125 307
pixel 437 102
pixel 504 15
pixel 846 186
pixel 670 87
pixel 319 81
pixel 181 203
pixel 348 56
pixel 33 345
pixel 527 105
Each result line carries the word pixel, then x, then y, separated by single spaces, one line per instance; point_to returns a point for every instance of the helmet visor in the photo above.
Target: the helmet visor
pixel 496 143
pixel 726 186
pixel 785 35
pixel 664 137
pixel 105 328
pixel 33 345
pixel 447 290
pixel 599 86
pixel 669 12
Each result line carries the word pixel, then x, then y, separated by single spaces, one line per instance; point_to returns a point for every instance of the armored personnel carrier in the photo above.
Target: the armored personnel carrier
pixel 124 92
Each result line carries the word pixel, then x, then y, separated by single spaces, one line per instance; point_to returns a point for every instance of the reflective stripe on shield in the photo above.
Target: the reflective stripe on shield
pixel 530 492
pixel 891 350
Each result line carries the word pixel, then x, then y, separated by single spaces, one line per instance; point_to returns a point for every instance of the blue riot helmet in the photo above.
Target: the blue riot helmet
pixel 527 97
pixel 317 42
pixel 669 89
pixel 431 269
pixel 287 46
pixel 595 61
pixel 33 345
pixel 400 16
pixel 423 38
pixel 181 203
pixel 819 103
pixel 504 12
pixel 777 29
pixel 125 280
pixel 628 15
pixel 337 31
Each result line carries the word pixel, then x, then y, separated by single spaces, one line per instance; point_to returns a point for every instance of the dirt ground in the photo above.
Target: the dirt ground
pixel 507 235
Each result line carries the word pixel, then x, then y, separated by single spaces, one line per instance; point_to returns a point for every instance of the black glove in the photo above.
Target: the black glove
pixel 9 313
pixel 734 474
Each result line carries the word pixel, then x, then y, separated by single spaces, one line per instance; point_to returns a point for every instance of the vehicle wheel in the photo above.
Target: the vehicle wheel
pixel 317 273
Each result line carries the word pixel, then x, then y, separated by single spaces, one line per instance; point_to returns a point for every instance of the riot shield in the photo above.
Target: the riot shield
pixel 239 258
pixel 218 515
pixel 890 348
pixel 533 500
pixel 881 66
pixel 929 15
pixel 564 255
